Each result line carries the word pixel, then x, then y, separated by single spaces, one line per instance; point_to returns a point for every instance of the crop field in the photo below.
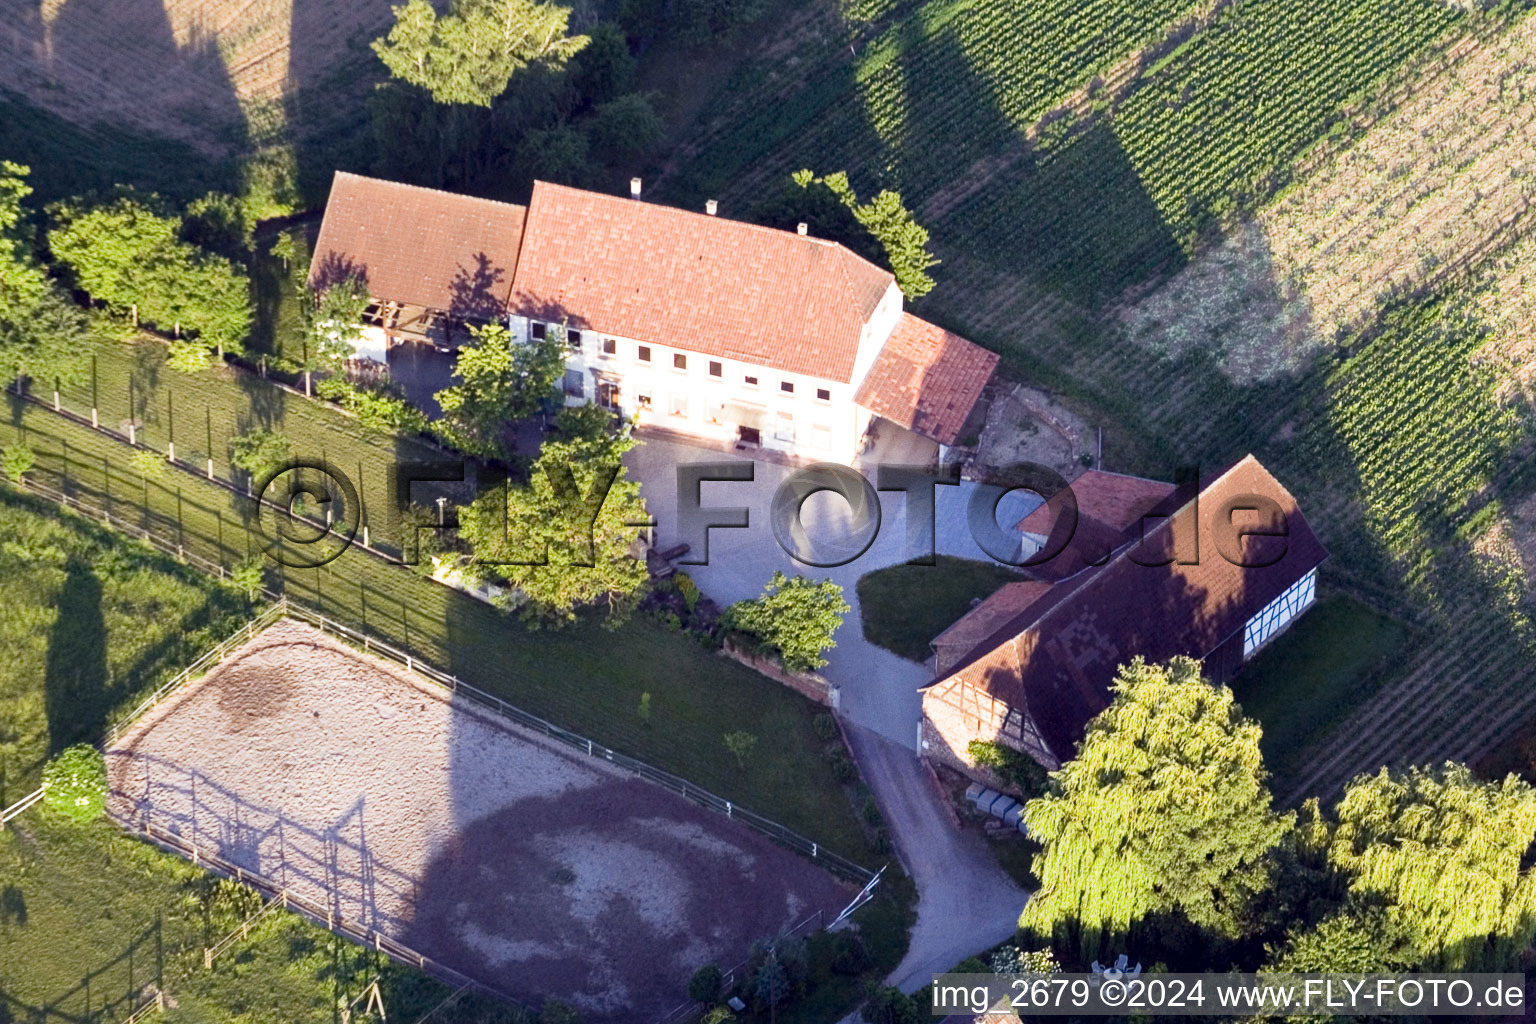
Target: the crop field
pixel 696 697
pixel 475 842
pixel 1427 191
pixel 126 85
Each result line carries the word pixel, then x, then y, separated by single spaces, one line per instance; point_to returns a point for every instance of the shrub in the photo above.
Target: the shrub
pixel 704 986
pixel 891 1006
pixel 645 708
pixel 849 957
pixel 1015 766
pixel 825 725
pixel 189 357
pixel 17 461
pixel 147 464
pixel 260 452
pixel 842 766
pixel 75 783
pixel 689 590
pixel 247 575
pixel 793 619
pixel 871 810
pixel 740 744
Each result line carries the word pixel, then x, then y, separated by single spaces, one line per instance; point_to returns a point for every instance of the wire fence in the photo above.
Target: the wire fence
pixel 321 914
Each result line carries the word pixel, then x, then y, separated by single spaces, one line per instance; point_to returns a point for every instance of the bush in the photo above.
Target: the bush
pixel 75 783
pixel 825 725
pixel 704 986
pixel 891 1006
pixel 1015 766
pixel 849 957
pixel 247 575
pixel 871 811
pixel 689 590
pixel 17 461
pixel 843 769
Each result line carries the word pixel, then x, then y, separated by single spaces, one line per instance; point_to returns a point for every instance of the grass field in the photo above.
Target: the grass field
pixel 88 916
pixel 696 697
pixel 905 606
pixel 1311 677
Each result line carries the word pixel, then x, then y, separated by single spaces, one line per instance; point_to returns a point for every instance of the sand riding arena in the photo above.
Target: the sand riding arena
pixel 521 864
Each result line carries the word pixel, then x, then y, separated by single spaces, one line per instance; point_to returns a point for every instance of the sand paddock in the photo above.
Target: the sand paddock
pixel 533 868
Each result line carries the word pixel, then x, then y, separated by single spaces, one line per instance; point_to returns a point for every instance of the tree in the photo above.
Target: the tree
pixel 499 381
pixel 740 744
pixel 890 223
pixel 1446 852
pixel 557 153
pixel 770 984
pixel 247 575
pixel 704 986
pixel 793 619
pixel 469 54
pixel 336 320
pixel 568 539
pixel 604 69
pixel 1165 808
pixel 889 1005
pixel 17 461
pixel 40 329
pixel 218 222
pixel 75 783
pixel 1359 938
pixel 624 129
pixel 128 254
pixel 260 452
pixel 583 423
pixel 719 19
pixel 284 248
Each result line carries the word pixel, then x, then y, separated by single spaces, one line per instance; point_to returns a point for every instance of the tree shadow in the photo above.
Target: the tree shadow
pixel 75 697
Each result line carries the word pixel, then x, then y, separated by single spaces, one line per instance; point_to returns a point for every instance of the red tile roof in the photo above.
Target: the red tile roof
pixel 707 284
pixel 1115 500
pixel 1058 656
pixel 419 246
pixel 976 625
pixel 927 379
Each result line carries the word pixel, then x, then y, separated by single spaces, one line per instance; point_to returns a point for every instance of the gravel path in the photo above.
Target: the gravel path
pixel 533 868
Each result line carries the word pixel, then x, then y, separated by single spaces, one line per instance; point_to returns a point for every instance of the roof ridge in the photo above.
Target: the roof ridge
pixel 1099 571
pixel 716 218
pixel 425 188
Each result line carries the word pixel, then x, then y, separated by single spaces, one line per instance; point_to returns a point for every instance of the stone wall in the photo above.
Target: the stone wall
pixel 808 684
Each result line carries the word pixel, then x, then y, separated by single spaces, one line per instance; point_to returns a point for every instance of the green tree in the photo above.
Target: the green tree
pixel 1165 808
pixel 740 744
pixel 218 223
pixel 568 539
pixel 1357 939
pixel 128 254
pixel 469 54
pixel 604 69
pixel 260 452
pixel 583 423
pixel 558 154
pixel 889 1005
pixel 704 986
pixel 247 575
pixel 17 461
pixel 624 129
pixel 890 223
pixel 794 619
pixel 284 247
pixel 770 984
pixel 40 329
pixel 718 19
pixel 75 783
pixel 498 381
pixel 335 321
pixel 1446 852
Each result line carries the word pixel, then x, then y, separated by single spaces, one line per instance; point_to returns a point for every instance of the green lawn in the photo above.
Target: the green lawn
pixel 905 606
pixel 1311 677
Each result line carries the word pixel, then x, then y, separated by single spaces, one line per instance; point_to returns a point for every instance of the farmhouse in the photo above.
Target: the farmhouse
pixel 1214 571
pixel 713 328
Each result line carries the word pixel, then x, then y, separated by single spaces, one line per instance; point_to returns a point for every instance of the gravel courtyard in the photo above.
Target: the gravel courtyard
pixel 535 869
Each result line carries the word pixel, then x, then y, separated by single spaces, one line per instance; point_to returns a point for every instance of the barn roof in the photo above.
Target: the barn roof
pixel 706 284
pixel 418 245
pixel 927 379
pixel 1176 591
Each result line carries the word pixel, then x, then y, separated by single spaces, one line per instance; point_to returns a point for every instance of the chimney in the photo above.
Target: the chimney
pixel 803 227
pixel 634 188
pixel 710 206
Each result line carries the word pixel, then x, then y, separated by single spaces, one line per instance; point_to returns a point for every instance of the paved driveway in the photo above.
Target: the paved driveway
pixel 966 902
pixel 879 689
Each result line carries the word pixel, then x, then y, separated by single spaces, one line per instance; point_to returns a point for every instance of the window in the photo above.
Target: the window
pixel 536 329
pixel 575 384
pixel 821 436
pixel 823 395
pixel 788 387
pixel 644 400
pixel 750 382
pixel 610 347
pixel 679 361
pixel 643 353
pixel 679 406
pixel 573 338
pixel 1275 617
pixel 785 428
pixel 716 369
